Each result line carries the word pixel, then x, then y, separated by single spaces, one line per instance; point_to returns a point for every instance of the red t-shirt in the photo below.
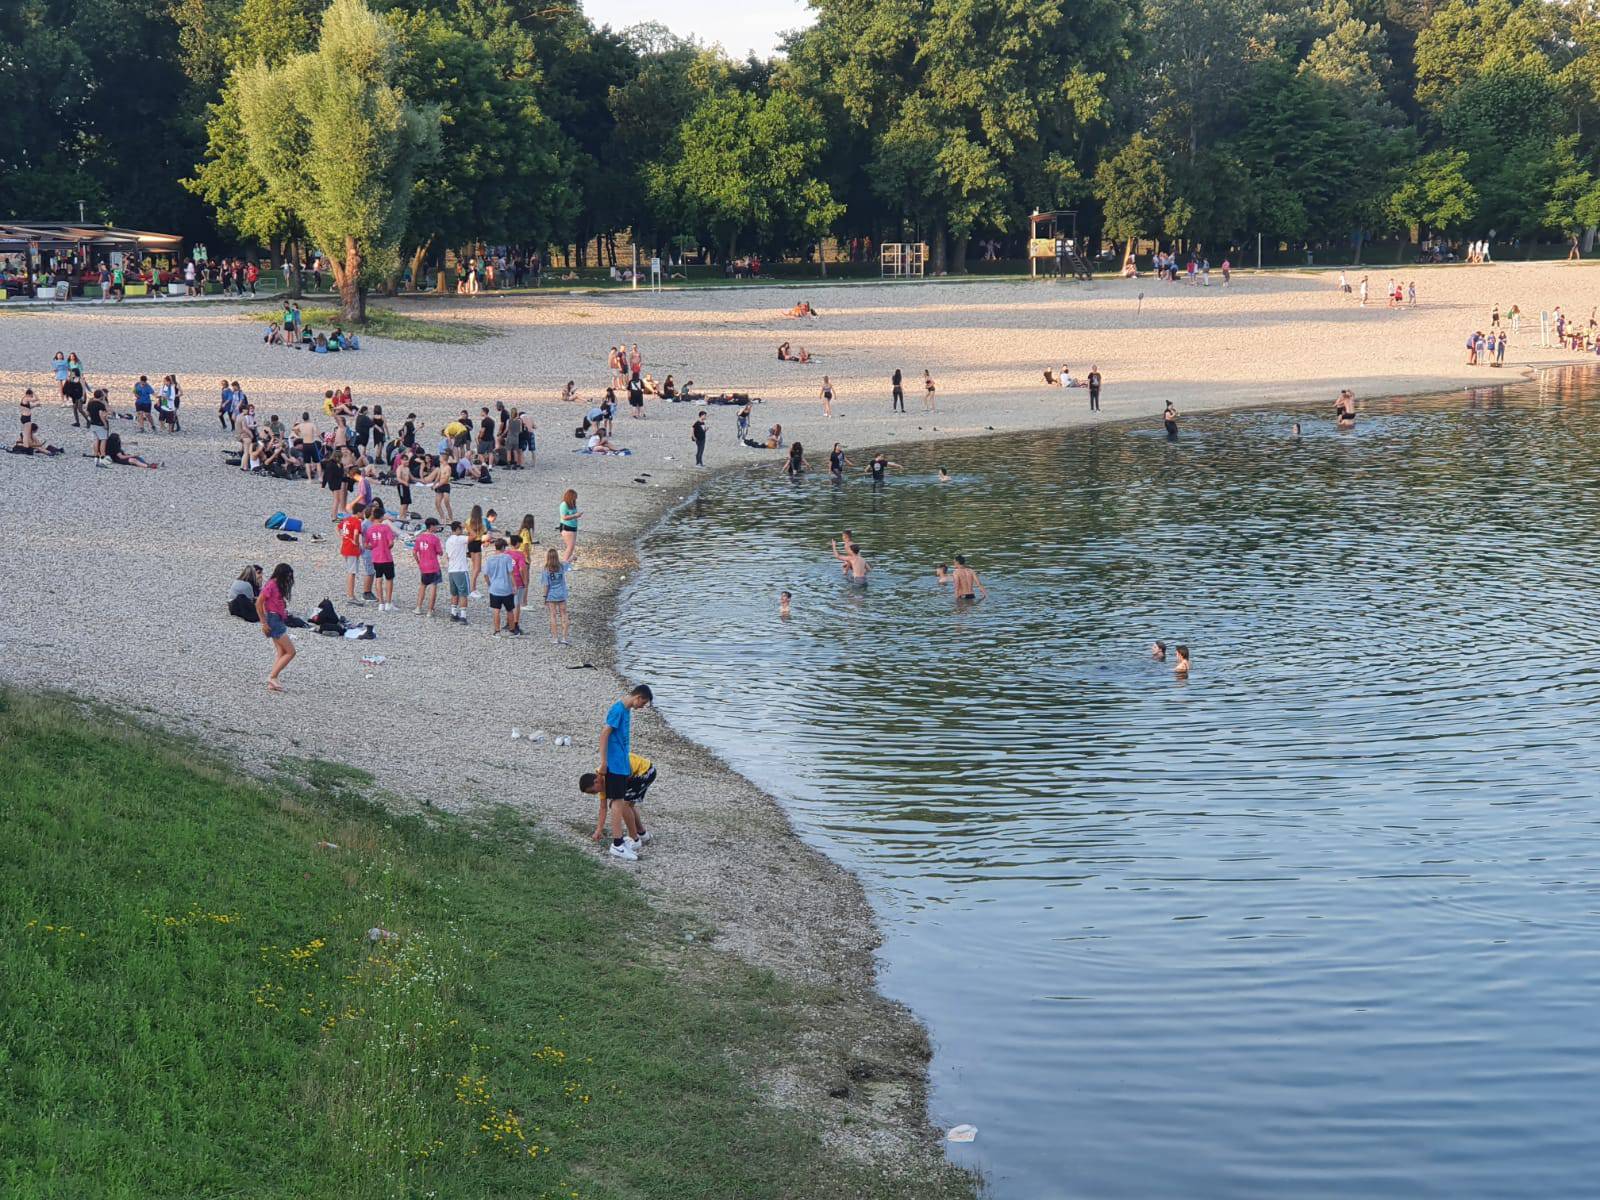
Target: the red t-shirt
pixel 519 567
pixel 350 536
pixel 272 599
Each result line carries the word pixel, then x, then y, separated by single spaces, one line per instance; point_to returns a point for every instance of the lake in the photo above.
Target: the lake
pixel 1322 920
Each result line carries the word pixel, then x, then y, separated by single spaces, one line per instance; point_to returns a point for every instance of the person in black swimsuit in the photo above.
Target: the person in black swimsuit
pixel 837 462
pixel 897 393
pixel 1169 418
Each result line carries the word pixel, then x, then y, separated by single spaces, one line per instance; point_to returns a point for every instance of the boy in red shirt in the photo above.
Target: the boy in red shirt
pixel 350 547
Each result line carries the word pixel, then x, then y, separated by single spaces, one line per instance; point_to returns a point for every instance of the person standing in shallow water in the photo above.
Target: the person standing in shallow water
pixel 968 585
pixel 1169 418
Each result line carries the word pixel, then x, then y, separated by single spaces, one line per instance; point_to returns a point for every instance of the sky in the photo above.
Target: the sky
pixel 740 25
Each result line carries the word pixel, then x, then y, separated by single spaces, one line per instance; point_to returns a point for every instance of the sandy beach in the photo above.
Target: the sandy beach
pixel 116 579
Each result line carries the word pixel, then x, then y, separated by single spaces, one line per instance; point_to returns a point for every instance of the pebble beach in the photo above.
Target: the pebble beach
pixel 115 579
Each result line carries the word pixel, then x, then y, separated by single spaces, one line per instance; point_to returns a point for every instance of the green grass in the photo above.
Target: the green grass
pixel 190 1007
pixel 385 323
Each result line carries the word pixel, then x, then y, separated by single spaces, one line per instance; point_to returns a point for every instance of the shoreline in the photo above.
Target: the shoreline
pixel 731 858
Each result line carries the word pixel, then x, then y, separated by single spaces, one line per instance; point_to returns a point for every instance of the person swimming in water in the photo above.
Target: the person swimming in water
pixel 1180 668
pixel 783 605
pixel 944 476
pixel 1169 418
pixel 855 567
pixel 941 574
pixel 968 585
pixel 1158 651
pixel 1344 409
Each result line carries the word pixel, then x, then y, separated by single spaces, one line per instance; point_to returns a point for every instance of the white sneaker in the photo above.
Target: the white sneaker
pixel 474 595
pixel 629 844
pixel 645 837
pixel 418 611
pixel 624 852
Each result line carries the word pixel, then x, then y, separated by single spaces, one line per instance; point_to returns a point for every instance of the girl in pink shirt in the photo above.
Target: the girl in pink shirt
pixel 272 610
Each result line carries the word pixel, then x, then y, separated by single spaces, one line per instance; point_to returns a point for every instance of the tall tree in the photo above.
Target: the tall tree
pixel 344 142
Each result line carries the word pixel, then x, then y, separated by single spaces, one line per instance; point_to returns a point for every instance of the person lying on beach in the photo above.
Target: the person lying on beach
pixel 968 585
pixel 122 458
pixel 803 309
pixel 855 567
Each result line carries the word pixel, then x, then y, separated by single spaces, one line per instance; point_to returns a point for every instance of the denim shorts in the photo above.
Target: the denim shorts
pixel 275 626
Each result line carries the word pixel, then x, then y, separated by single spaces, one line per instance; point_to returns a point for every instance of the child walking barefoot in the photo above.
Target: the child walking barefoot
pixel 272 610
pixel 554 581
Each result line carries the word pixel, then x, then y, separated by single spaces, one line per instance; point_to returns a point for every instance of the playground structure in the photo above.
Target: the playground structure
pixel 1053 237
pixel 903 260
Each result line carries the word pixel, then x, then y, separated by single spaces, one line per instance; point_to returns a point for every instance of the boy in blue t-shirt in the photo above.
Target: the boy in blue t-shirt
pixel 615 773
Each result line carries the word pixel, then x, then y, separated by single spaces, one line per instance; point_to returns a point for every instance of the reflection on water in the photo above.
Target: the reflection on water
pixel 1324 920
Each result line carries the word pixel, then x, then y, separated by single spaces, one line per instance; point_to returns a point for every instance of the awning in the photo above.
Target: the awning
pixel 18 236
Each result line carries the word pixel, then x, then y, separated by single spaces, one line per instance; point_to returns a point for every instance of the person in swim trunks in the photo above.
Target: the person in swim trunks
pixel 968 585
pixel 855 567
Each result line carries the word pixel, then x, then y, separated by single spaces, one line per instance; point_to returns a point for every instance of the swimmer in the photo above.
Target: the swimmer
pixel 944 476
pixel 1344 409
pixel 1158 651
pixel 1297 431
pixel 855 567
pixel 783 605
pixel 941 574
pixel 1180 668
pixel 1169 418
pixel 968 585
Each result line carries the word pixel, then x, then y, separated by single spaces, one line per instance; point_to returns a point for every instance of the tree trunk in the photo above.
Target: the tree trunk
pixel 347 278
pixel 291 273
pixel 417 258
pixel 822 259
pixel 1588 239
pixel 936 250
pixel 733 245
pixel 958 261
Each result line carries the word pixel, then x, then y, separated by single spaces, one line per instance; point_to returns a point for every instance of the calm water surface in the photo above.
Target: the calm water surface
pixel 1323 921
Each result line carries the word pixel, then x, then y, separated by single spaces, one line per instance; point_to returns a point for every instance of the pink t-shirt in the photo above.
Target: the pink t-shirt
pixel 519 567
pixel 427 550
pixel 380 540
pixel 272 599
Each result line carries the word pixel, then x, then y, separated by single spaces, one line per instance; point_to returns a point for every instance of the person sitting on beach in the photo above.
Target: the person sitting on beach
pixel 116 454
pixel 651 388
pixel 1130 268
pixel 803 309
pixel 1051 379
pixel 669 390
pixel 599 443
pixel 775 437
pixel 29 442
pixel 569 393
pixel 242 595
pixel 321 345
pixel 783 353
pixel 803 357
pixel 855 567
pixel 274 337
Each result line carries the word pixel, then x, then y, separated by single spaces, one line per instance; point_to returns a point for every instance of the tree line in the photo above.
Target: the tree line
pixel 426 124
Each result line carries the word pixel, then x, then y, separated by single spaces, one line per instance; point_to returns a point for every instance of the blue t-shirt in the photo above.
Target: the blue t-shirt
pixel 141 394
pixel 620 721
pixel 61 370
pixel 501 575
pixel 554 583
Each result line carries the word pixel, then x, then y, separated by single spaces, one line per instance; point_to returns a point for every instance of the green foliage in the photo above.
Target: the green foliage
pixel 1434 194
pixel 190 1003
pixel 741 163
pixel 340 144
pixel 400 327
pixel 1136 192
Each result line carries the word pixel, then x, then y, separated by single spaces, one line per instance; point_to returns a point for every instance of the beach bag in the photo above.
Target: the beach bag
pixel 287 524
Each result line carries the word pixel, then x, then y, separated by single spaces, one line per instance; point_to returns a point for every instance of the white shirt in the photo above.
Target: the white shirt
pixel 455 552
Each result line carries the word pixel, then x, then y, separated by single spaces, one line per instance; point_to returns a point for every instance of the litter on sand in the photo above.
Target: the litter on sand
pixel 374 660
pixel 962 1133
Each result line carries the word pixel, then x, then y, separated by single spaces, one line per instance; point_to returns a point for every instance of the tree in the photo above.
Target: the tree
pixel 1136 192
pixel 744 164
pixel 1466 37
pixel 343 143
pixel 1434 194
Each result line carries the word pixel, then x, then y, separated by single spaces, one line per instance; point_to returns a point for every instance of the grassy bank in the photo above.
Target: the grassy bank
pixel 385 323
pixel 191 1004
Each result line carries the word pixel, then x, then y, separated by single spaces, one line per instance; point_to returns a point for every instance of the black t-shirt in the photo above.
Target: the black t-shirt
pixel 97 411
pixel 896 379
pixel 836 461
pixel 879 466
pixel 486 430
pixel 1094 381
pixel 363 428
pixel 72 389
pixel 408 434
pixel 635 390
pixel 698 431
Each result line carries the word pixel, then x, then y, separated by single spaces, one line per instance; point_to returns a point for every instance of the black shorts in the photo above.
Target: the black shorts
pixel 430 578
pixel 405 494
pixel 383 570
pixel 507 602
pixel 474 547
pixel 618 786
